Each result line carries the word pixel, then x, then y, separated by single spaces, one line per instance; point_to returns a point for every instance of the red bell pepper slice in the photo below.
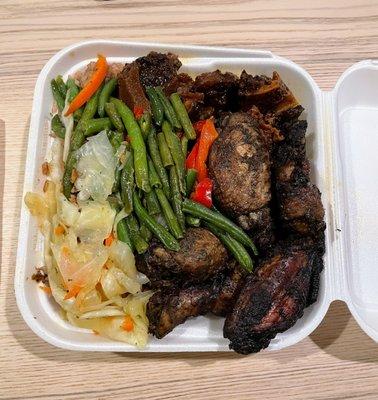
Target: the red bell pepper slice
pixel 138 111
pixel 199 125
pixel 202 193
pixel 192 156
pixel 208 135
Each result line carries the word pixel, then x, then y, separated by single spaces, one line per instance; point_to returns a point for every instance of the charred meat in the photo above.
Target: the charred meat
pixel 172 306
pixel 270 301
pixel 131 90
pixel 201 256
pixel 219 89
pixel 157 69
pixel 300 207
pixel 239 164
pixel 227 288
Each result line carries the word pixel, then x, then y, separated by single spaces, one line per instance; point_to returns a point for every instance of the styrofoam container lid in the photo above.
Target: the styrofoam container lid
pixel 355 111
pixel 341 141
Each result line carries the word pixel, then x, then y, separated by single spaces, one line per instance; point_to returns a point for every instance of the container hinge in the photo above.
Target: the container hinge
pixel 335 271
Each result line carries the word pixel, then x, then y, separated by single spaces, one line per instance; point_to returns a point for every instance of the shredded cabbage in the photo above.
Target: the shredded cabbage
pixel 96 166
pixel 96 286
pixel 95 222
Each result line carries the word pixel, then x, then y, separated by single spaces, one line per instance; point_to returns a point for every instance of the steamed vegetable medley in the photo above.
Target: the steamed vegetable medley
pixel 118 178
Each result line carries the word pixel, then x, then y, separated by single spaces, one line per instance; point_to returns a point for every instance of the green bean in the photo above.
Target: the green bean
pixel 165 154
pixel 152 203
pixel 96 125
pixel 183 116
pixel 59 99
pixel 220 221
pixel 137 144
pixel 136 239
pixel 176 197
pixel 192 221
pixel 145 232
pixel 73 90
pixel 61 86
pixel 116 139
pixel 169 112
pixel 174 146
pixel 90 110
pixel 57 127
pixel 155 181
pixel 111 112
pixel 156 159
pixel 237 250
pixel 156 106
pixel 191 175
pixel 169 215
pixel 158 230
pixel 117 180
pixel 184 145
pixel 115 203
pixel 106 91
pixel 68 168
pixel 123 234
pixel 127 184
pixel 145 124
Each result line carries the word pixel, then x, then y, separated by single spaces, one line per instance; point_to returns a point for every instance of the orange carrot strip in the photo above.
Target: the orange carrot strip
pixel 72 292
pixel 59 230
pixel 90 88
pixel 109 240
pixel 128 324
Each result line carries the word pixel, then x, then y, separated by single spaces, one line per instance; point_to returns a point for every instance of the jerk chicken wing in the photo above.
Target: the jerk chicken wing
pixel 270 301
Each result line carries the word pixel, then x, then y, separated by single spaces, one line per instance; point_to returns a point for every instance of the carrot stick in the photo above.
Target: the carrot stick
pixel 90 88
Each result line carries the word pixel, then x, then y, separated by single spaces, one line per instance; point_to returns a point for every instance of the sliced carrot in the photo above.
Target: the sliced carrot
pixel 109 240
pixel 59 230
pixel 128 324
pixel 46 289
pixel 72 292
pixel 99 74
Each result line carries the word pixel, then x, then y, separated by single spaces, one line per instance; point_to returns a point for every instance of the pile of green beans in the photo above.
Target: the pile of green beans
pixel 151 182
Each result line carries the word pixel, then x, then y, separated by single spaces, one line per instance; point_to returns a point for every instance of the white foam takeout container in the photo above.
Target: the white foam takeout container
pixel 342 139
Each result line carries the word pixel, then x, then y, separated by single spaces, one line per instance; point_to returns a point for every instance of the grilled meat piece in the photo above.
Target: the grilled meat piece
pixel 157 69
pixel 270 95
pixel 272 300
pixel 300 207
pixel 201 256
pixel 130 88
pixel 239 164
pixel 260 226
pixel 261 91
pixel 220 89
pixel 227 288
pixel 172 306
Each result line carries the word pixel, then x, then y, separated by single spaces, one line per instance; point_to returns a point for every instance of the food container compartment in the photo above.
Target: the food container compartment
pixel 341 139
